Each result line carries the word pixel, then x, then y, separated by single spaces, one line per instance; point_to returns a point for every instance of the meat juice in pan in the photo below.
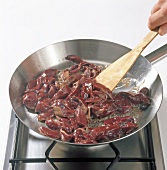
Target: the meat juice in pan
pixel 75 108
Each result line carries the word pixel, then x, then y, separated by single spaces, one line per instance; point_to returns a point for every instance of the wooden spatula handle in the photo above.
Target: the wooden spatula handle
pixel 112 75
pixel 147 39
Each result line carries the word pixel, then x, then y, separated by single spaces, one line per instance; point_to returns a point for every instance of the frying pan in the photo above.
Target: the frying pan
pixel 142 74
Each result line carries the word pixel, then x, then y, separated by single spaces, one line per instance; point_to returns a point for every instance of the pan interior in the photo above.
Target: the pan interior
pixel 142 74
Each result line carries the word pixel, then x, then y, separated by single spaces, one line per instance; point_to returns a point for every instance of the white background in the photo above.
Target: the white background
pixel 26 26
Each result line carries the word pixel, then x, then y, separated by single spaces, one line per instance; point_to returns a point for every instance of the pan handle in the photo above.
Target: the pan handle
pixel 157 55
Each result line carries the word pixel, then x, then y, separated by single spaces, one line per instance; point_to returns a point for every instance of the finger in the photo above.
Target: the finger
pixel 157 19
pixel 158 6
pixel 163 29
pixel 155 8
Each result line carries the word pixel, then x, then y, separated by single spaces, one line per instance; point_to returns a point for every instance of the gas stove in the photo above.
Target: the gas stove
pixel 141 151
pixel 28 150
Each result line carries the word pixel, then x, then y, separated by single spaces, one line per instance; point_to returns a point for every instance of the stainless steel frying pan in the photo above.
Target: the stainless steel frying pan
pixel 142 74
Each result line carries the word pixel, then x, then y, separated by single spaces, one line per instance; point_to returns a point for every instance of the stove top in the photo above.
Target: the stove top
pixel 28 150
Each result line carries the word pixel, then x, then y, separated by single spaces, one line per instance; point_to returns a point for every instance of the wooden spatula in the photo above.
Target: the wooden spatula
pixel 112 75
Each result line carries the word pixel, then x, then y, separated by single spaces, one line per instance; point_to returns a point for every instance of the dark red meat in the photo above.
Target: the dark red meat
pixel 74 58
pixel 75 108
pixel 65 136
pixel 53 123
pixel 45 115
pixel 105 133
pixel 43 105
pixel 49 132
pixel 81 136
pixel 30 100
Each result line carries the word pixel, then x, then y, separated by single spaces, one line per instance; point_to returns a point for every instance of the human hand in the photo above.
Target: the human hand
pixel 158 17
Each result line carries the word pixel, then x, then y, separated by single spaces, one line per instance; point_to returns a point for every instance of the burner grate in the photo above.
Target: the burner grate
pixel 112 160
